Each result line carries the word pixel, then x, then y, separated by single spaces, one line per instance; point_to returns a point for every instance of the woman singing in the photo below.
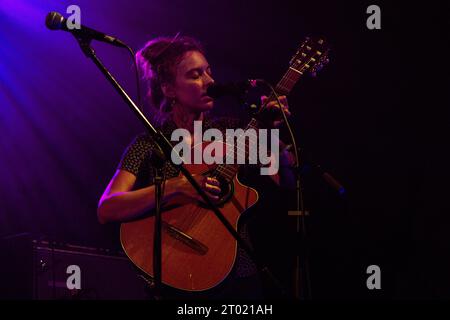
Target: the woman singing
pixel 178 76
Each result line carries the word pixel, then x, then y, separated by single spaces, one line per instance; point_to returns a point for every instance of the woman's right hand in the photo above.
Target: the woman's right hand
pixel 209 184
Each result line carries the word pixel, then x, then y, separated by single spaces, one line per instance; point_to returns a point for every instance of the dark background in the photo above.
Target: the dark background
pixel 376 118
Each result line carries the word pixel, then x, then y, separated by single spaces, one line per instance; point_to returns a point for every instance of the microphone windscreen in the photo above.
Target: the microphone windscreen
pixel 54 20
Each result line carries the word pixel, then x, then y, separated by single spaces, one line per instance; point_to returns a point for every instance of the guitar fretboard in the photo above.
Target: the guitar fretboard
pixel 230 168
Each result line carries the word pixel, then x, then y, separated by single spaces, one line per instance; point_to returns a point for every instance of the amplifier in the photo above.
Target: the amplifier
pixel 42 270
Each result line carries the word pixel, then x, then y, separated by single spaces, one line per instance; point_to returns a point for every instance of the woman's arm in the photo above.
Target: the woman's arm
pixel 118 203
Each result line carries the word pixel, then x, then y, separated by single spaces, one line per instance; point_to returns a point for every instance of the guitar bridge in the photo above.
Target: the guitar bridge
pixel 185 238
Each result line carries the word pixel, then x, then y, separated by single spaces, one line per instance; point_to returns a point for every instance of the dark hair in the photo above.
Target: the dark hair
pixel 158 60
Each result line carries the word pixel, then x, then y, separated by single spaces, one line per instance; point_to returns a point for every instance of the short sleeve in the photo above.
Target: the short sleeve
pixel 136 156
pixel 137 160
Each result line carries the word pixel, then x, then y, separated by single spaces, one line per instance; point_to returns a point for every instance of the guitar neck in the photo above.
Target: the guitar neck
pixel 308 57
pixel 291 77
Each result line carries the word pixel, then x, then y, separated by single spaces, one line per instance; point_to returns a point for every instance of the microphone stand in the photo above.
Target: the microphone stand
pixel 166 147
pixel 302 275
pixel 302 272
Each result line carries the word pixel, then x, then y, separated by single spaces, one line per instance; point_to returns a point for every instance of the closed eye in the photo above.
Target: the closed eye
pixel 198 72
pixel 195 75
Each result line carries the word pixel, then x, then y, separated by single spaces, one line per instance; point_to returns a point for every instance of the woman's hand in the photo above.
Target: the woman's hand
pixel 273 105
pixel 209 184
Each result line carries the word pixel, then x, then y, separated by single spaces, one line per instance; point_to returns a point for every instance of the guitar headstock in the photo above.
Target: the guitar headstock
pixel 311 56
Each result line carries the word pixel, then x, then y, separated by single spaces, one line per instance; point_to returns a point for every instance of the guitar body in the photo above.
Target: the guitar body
pixel 209 258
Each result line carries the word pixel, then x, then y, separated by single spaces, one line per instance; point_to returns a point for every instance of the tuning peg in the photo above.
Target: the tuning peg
pixel 317 68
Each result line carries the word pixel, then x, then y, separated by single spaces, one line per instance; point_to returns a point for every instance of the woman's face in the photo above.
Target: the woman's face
pixel 193 77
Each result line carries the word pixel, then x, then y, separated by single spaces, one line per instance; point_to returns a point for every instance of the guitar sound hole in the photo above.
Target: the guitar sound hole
pixel 227 191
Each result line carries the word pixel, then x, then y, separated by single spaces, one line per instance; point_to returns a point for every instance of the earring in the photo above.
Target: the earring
pixel 168 105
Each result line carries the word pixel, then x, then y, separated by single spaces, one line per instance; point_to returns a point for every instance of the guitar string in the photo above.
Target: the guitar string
pixel 296 75
pixel 289 72
pixel 225 167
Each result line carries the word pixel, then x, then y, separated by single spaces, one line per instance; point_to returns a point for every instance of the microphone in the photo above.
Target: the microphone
pixel 234 89
pixel 55 21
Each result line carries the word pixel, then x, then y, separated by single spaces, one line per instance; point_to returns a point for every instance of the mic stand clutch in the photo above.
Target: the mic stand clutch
pixel 167 148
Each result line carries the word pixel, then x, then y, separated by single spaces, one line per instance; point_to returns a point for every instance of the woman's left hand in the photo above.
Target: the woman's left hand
pixel 273 105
